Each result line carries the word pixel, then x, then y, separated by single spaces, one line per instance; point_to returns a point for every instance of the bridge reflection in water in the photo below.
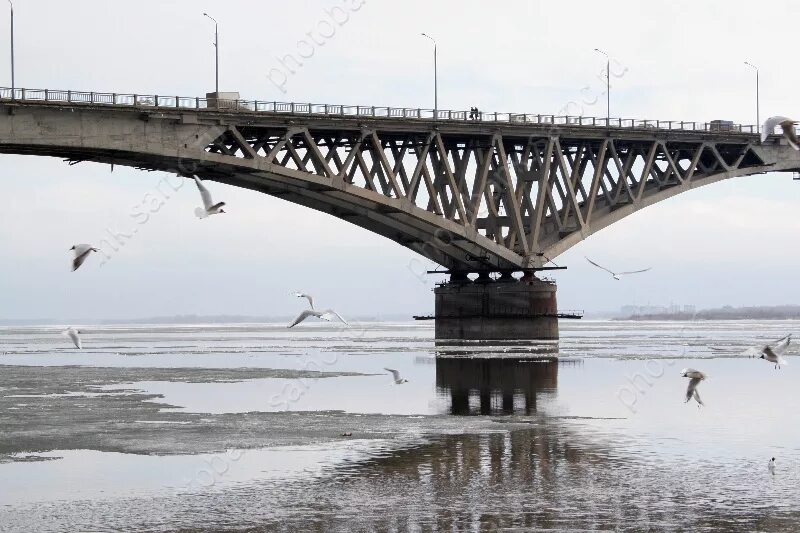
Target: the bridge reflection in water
pixel 525 473
pixel 495 384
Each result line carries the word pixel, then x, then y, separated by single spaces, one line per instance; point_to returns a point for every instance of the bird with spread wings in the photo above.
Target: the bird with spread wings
pixel 616 275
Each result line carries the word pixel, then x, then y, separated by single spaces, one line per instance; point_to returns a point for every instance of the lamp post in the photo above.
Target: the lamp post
pixel 216 47
pixel 435 78
pixel 758 103
pixel 608 86
pixel 13 84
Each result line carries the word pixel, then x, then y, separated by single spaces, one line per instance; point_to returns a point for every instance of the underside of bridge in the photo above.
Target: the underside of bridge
pixel 471 197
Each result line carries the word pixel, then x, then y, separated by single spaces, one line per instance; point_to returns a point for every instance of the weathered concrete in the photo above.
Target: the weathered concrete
pixel 497 310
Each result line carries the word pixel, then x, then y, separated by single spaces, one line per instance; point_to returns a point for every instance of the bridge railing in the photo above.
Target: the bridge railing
pixel 275 107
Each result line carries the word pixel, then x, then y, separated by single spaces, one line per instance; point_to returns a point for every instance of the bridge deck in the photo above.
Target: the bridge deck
pixel 411 118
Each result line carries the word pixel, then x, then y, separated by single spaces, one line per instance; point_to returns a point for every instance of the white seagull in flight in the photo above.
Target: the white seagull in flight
pixel 328 314
pixel 786 124
pixel 695 377
pixel 616 275
pixel 81 251
pixel 74 335
pixel 209 207
pixel 307 297
pixel 772 352
pixel 396 376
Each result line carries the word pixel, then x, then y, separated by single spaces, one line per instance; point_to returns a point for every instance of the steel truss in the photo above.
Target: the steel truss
pixel 482 201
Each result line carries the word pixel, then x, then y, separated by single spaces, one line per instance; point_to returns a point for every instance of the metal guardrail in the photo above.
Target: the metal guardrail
pixel 275 107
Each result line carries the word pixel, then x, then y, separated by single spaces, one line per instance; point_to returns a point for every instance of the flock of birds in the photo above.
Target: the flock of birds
pixel 772 353
pixel 81 253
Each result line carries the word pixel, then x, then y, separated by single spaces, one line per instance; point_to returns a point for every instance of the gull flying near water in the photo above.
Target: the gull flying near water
pixel 750 352
pixel 81 251
pixel 209 207
pixel 616 275
pixel 772 352
pixel 695 377
pixel 74 335
pixel 307 297
pixel 396 375
pixel 786 124
pixel 328 314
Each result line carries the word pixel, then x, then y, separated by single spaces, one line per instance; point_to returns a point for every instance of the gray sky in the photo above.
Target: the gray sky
pixel 734 242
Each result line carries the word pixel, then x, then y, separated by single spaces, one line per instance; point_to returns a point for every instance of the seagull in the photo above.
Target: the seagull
pixel 209 207
pixel 772 353
pixel 82 251
pixel 771 466
pixel 73 334
pixel 616 275
pixel 396 375
pixel 307 297
pixel 786 124
pixel 758 350
pixel 773 357
pixel 695 377
pixel 328 314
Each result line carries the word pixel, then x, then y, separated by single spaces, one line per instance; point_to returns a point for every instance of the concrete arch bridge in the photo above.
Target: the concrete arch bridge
pixel 500 192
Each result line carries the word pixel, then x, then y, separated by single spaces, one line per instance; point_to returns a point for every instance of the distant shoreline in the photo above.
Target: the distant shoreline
pixel 673 318
pixel 782 312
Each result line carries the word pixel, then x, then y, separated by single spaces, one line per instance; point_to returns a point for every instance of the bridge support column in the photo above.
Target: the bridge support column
pixel 503 310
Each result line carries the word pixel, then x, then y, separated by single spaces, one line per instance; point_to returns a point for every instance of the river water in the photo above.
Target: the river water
pixel 160 428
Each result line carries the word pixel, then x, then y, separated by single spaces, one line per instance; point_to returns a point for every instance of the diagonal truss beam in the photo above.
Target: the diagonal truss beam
pixel 512 198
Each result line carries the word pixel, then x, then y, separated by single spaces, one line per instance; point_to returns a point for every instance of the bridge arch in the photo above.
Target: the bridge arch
pixel 468 195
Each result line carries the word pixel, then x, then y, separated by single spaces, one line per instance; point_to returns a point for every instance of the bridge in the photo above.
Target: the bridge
pixel 505 191
pixel 498 192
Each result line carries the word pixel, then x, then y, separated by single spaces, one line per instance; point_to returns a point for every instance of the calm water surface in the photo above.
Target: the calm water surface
pixel 242 426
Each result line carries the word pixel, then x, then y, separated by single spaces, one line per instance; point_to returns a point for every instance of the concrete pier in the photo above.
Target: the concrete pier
pixel 503 310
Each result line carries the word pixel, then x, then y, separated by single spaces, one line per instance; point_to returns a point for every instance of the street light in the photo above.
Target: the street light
pixel 758 110
pixel 13 85
pixel 216 47
pixel 608 86
pixel 435 78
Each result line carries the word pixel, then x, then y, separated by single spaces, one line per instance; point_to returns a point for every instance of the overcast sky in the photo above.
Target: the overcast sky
pixel 729 243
